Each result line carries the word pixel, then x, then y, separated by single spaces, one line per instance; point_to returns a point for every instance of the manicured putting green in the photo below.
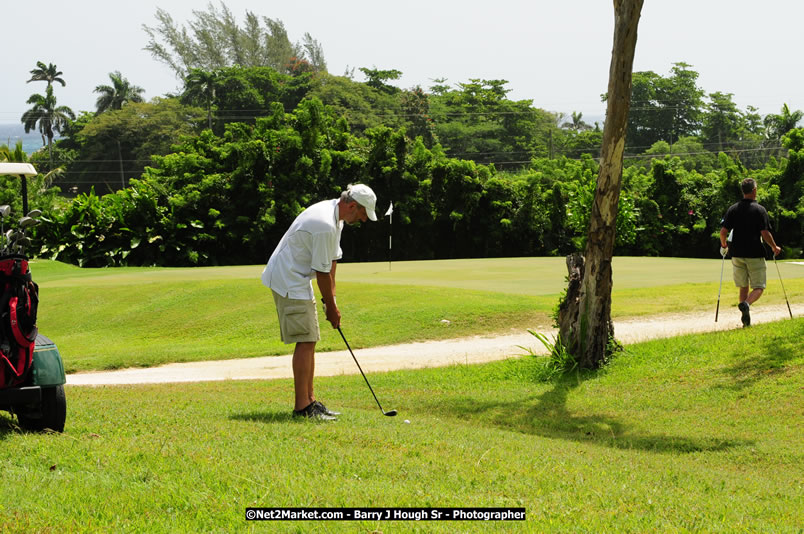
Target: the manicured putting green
pixel 542 276
pixel 523 276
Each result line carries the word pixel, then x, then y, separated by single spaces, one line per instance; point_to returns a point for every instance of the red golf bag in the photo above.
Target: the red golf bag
pixel 19 301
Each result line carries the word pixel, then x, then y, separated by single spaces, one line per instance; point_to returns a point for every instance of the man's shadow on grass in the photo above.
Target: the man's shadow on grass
pixel 8 426
pixel 268 417
pixel 547 415
pixel 766 357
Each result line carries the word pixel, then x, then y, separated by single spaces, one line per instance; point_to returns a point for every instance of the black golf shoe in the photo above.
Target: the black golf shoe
pixel 746 309
pixel 326 410
pixel 312 411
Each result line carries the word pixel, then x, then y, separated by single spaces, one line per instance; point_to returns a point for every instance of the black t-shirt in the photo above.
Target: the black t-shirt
pixel 748 219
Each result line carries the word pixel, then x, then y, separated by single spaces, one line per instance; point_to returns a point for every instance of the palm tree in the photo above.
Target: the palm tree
pixel 47 74
pixel 48 117
pixel 577 124
pixel 118 94
pixel 778 125
pixel 199 86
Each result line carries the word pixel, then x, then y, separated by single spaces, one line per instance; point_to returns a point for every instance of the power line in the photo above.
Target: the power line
pixel 113 174
pixel 657 105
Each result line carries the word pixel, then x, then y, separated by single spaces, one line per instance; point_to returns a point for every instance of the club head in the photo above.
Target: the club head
pixel 26 222
pixel 390 413
pixel 34 213
pixel 5 210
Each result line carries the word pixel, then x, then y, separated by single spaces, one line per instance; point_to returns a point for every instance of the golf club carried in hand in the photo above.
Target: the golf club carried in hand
pixel 389 413
pixel 783 290
pixel 717 310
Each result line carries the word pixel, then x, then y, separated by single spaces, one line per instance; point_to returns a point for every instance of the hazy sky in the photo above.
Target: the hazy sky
pixel 556 52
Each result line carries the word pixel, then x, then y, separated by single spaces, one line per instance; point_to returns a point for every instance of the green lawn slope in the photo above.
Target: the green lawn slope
pixel 692 434
pixel 123 317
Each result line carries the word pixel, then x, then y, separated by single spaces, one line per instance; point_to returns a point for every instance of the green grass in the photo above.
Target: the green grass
pixel 113 318
pixel 695 434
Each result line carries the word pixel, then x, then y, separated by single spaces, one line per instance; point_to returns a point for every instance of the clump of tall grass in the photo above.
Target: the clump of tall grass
pixel 559 361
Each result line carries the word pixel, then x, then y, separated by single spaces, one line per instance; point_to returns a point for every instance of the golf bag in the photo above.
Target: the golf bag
pixel 19 301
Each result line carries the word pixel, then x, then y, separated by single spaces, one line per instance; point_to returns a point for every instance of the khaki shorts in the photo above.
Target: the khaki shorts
pixel 749 271
pixel 298 319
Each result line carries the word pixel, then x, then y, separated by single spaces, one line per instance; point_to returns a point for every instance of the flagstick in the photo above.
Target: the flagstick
pixel 390 232
pixel 390 214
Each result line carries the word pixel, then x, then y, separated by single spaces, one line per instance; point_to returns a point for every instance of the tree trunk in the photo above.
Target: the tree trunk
pixel 585 323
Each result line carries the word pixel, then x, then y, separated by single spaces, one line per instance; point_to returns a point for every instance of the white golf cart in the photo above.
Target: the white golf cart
pixel 37 394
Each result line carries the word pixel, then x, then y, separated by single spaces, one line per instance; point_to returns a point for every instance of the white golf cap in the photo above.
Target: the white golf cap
pixel 365 197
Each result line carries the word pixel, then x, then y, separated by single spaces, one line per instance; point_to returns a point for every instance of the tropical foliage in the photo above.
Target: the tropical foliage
pixel 47 117
pixel 47 73
pixel 215 174
pixel 215 40
pixel 40 190
pixel 228 199
pixel 107 149
pixel 119 93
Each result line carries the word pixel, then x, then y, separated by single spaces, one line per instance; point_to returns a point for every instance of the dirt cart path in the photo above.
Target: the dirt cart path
pixel 417 355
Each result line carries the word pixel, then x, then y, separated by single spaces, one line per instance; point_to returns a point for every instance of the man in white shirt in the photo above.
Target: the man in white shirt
pixel 311 248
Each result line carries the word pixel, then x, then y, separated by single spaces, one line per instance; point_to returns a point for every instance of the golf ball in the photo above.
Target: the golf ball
pixel 407 421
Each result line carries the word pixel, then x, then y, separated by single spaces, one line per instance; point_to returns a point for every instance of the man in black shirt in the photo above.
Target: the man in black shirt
pixel 749 221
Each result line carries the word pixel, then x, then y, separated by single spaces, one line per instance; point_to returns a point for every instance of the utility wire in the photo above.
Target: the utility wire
pixel 113 174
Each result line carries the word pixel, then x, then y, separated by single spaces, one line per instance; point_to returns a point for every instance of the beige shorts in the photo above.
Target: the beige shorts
pixel 749 271
pixel 298 319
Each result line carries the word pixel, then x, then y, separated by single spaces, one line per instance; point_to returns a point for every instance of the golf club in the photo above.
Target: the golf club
pixel 5 211
pixel 722 264
pixel 783 290
pixel 26 222
pixel 21 243
pixel 10 235
pixel 389 413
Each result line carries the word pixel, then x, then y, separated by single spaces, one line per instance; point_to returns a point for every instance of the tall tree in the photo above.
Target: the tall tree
pixel 376 78
pixel 46 73
pixel 477 121
pixel 664 108
pixel 722 123
pixel 119 144
pixel 684 100
pixel 586 330
pixel 49 117
pixel 215 40
pixel 121 92
pixel 648 120
pixel 314 53
pixel 362 106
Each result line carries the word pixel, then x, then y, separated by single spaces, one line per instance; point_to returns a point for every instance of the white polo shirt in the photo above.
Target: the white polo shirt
pixel 311 244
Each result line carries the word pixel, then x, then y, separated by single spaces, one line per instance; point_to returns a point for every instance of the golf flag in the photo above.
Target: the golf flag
pixel 390 209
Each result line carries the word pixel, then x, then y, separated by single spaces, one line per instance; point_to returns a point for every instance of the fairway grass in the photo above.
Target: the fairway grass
pixel 129 317
pixel 693 434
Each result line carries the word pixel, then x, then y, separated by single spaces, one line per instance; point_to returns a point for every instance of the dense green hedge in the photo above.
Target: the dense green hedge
pixel 228 199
